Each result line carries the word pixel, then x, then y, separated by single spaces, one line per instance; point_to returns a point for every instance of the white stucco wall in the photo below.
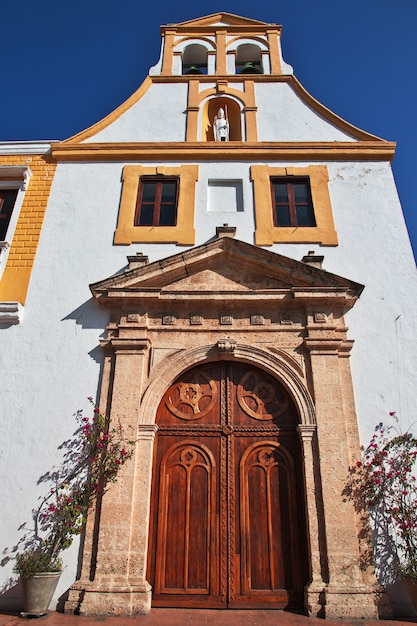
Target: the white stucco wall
pixel 160 115
pixel 283 116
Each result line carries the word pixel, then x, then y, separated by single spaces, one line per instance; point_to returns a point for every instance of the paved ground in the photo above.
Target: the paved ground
pixel 192 617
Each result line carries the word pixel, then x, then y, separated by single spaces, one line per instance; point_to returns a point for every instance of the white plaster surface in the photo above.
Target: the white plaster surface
pixel 283 116
pixel 160 115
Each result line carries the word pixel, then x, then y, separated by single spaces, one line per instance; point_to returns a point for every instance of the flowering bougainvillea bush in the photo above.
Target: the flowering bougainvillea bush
pixel 93 459
pixel 383 485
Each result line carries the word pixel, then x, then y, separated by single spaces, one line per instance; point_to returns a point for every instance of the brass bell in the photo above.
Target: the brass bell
pixel 193 69
pixel 249 68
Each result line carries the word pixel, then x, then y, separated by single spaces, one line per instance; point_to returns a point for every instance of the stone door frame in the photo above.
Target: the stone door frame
pixel 289 322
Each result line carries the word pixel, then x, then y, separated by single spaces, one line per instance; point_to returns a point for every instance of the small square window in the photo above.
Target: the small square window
pixel 7 202
pixel 157 201
pixel 291 202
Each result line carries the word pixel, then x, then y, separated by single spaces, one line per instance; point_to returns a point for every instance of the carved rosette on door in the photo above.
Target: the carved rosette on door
pixel 227 517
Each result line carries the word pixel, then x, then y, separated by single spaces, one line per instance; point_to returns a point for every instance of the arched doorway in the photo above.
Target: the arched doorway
pixel 227 512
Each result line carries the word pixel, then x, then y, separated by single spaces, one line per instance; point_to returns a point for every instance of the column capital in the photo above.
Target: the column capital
pixel 147 431
pixel 306 431
pixel 127 345
pixel 323 345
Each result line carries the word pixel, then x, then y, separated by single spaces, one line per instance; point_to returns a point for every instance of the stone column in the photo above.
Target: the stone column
pixel 346 595
pixel 315 526
pixel 138 551
pixel 117 579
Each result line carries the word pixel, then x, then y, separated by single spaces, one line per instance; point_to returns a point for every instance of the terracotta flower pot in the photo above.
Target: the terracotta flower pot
pixel 37 592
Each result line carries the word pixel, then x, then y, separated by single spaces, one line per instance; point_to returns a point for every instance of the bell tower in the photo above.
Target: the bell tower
pixel 221 57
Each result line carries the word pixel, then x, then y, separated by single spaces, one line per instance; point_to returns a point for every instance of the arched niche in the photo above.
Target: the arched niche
pixel 194 59
pixel 248 59
pixel 233 114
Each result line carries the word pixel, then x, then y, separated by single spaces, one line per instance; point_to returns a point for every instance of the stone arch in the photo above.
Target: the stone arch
pixel 166 372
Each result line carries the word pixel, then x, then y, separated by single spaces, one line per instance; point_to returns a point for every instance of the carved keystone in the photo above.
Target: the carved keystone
pixel 226 345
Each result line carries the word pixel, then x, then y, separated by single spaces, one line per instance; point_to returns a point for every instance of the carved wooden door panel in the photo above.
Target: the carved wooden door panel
pixel 227 501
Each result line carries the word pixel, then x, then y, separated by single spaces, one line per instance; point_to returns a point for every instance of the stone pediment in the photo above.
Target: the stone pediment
pixel 227 267
pixel 225 279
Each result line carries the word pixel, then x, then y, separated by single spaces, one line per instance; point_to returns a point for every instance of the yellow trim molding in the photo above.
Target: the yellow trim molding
pixel 237 150
pixel 266 234
pixel 183 233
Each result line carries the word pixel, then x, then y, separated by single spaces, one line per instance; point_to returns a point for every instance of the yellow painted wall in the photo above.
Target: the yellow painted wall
pixel 15 280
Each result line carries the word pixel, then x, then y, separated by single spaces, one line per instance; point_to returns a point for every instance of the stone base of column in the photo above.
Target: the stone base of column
pixel 334 602
pixel 101 600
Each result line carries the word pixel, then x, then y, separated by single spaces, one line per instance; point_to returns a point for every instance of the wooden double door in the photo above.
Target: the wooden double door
pixel 227 520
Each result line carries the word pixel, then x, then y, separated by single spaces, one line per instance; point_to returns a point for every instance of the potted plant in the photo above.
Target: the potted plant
pixel 384 486
pixel 39 576
pixel 93 458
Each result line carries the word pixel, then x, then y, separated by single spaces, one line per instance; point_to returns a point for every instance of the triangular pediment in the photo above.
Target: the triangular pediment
pixel 220 19
pixel 226 267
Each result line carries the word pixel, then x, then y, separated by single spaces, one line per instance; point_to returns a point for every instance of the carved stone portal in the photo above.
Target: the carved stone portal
pixel 239 416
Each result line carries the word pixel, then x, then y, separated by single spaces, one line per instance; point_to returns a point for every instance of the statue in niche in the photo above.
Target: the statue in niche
pixel 221 126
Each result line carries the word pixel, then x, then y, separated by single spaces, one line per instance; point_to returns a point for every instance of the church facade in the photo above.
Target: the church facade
pixel 261 327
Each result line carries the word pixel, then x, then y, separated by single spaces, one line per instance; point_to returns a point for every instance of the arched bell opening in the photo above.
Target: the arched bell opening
pixel 232 114
pixel 194 59
pixel 248 59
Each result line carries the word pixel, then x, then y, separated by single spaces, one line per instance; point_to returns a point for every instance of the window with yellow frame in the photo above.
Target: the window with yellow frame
pixel 280 217
pixel 132 229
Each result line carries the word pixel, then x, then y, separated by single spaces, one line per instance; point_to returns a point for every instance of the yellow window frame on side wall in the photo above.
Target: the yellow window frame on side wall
pixel 266 233
pixel 183 233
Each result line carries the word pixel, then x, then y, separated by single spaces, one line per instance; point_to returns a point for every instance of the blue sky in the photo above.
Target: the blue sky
pixel 67 64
